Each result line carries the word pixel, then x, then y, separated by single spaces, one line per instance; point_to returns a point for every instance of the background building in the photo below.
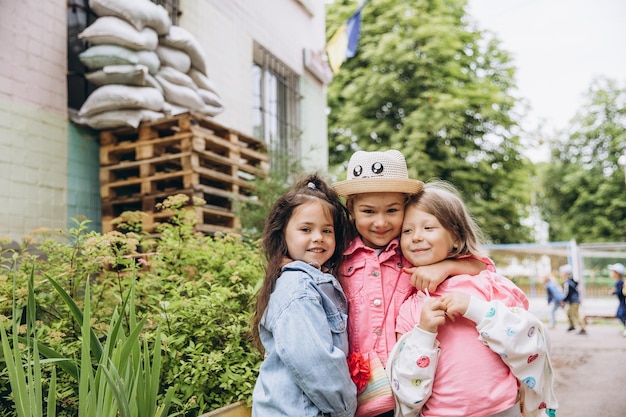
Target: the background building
pixel 263 56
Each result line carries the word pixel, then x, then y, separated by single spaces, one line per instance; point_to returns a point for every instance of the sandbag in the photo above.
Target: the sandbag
pixel 117 97
pixel 202 81
pixel 180 95
pixel 210 98
pixel 99 56
pixel 119 74
pixel 116 31
pixel 176 77
pixel 112 119
pixel 139 13
pixel 180 38
pixel 175 58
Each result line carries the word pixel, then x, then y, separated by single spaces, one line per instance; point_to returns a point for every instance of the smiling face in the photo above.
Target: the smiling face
pixel 310 233
pixel 424 240
pixel 377 217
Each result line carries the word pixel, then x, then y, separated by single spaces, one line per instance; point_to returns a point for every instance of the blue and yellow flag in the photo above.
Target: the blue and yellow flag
pixel 344 42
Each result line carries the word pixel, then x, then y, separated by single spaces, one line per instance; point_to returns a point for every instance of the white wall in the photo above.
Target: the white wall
pixel 227 31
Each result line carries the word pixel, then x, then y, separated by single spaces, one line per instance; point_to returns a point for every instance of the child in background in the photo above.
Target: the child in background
pixel 465 345
pixel 300 321
pixel 616 271
pixel 555 297
pixel 372 276
pixel 571 297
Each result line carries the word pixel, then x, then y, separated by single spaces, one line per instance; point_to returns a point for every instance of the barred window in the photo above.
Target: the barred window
pixel 276 109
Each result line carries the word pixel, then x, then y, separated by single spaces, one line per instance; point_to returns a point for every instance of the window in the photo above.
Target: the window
pixel 172 8
pixel 276 109
pixel 79 16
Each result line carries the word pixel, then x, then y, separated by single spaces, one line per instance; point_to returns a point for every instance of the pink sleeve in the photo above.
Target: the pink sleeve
pixel 505 290
pixel 409 314
pixel 489 264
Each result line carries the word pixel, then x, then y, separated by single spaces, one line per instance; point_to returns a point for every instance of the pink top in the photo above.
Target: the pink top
pixel 470 379
pixel 373 283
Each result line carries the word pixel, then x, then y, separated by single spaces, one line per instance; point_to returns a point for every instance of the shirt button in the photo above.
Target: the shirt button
pixel 350 269
pixel 375 273
pixel 377 332
pixel 399 264
pixel 377 302
pixel 342 326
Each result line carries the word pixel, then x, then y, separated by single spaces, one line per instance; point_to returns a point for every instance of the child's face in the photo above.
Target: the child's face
pixel 378 217
pixel 310 233
pixel 424 240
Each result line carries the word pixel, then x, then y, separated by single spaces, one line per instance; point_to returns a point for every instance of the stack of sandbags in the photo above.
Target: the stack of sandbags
pixel 183 73
pixel 143 66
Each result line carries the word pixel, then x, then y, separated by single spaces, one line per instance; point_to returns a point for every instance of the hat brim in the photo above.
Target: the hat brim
pixel 377 185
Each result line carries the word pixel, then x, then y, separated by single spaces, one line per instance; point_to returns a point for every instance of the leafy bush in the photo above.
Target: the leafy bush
pixel 197 290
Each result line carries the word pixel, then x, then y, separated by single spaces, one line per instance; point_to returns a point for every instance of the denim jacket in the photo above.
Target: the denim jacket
pixel 304 333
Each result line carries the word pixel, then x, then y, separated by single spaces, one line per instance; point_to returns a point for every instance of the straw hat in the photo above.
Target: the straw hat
pixel 382 172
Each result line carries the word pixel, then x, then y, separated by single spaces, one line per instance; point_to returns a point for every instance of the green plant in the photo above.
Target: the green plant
pixel 127 373
pixel 253 212
pixel 193 293
pixel 24 365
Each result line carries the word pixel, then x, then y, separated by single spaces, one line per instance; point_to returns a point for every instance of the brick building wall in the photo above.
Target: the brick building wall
pixel 33 116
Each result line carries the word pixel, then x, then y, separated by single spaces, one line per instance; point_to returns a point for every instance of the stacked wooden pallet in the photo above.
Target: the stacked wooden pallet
pixel 184 154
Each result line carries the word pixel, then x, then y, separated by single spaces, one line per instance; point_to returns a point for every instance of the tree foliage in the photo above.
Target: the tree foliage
pixel 426 82
pixel 584 185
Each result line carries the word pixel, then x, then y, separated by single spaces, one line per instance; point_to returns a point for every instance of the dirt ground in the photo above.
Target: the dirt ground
pixel 590 370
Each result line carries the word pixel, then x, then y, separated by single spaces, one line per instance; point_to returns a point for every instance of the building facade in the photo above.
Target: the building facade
pixel 263 56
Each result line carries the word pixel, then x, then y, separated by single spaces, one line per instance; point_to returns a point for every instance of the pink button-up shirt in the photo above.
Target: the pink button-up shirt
pixel 376 288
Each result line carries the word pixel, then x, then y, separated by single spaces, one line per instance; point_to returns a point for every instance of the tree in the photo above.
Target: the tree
pixel 424 82
pixel 584 185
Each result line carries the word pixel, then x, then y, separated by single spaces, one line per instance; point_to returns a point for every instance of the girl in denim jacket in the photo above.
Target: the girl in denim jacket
pixel 301 314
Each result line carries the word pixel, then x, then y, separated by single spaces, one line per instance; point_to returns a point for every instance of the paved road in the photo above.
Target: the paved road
pixel 590 369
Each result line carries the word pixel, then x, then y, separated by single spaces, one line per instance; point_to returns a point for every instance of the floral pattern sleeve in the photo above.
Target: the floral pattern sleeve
pixel 411 369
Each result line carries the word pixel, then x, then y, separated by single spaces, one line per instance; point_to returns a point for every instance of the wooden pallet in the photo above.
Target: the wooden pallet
pixel 214 197
pixel 208 220
pixel 185 154
pixel 166 126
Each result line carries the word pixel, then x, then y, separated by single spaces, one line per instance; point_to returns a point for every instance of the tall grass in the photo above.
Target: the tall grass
pixel 120 378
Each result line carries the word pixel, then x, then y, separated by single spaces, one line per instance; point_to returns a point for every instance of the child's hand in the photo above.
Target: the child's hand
pixel 427 277
pixel 455 303
pixel 433 315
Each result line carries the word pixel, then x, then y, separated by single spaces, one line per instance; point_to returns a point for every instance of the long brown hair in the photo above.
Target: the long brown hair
pixel 442 200
pixel 274 244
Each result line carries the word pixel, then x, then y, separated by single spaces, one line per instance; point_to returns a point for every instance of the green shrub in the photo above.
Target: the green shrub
pixel 197 290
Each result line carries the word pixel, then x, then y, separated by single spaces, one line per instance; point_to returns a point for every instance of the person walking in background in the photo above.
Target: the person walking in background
pixel 555 297
pixel 571 297
pixel 617 272
pixel 471 347
pixel 300 322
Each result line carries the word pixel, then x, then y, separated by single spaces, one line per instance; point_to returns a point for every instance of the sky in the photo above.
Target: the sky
pixel 558 47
